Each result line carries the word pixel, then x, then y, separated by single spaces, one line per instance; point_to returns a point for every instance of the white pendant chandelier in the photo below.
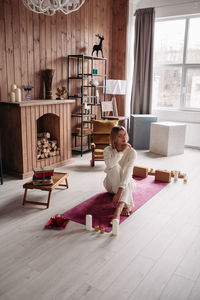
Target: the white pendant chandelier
pixel 49 7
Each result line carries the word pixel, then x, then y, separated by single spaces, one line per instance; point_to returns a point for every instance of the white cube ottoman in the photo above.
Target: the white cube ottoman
pixel 167 138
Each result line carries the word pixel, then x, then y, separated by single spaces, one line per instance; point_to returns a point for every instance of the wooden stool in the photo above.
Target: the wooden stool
pixel 57 179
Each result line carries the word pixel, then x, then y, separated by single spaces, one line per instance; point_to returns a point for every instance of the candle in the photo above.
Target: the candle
pixel 88 222
pixel 13 87
pixel 12 96
pixel 18 95
pixel 175 176
pixel 115 226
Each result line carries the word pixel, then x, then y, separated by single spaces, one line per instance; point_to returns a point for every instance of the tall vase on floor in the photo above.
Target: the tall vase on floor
pixel 48 77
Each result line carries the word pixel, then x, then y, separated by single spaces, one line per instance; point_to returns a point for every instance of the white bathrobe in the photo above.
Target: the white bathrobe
pixel 119 170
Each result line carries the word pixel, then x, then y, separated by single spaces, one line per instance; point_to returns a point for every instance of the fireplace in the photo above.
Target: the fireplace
pixel 22 122
pixel 48 136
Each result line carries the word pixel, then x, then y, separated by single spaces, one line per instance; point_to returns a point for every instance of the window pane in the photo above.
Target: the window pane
pixel 169 41
pixel 193 52
pixel 167 86
pixel 193 88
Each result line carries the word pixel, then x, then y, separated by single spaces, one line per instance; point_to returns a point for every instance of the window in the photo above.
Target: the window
pixel 176 73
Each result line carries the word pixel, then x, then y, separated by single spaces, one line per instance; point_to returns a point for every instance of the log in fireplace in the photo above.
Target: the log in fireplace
pixel 48 136
pixel 21 123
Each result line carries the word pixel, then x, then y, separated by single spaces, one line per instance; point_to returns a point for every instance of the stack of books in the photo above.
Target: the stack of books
pixel 43 176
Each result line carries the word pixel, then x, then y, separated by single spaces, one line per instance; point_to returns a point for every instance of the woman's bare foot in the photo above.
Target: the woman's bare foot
pixel 118 211
pixel 125 212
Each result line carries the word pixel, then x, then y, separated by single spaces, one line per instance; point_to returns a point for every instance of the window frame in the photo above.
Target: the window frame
pixel 184 66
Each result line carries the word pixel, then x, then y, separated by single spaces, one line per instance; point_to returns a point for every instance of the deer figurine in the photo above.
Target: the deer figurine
pixel 98 47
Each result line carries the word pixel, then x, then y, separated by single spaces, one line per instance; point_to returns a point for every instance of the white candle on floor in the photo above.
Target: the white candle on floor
pixel 89 222
pixel 115 226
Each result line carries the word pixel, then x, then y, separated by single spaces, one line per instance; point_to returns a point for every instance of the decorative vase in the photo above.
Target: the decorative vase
pixel 48 77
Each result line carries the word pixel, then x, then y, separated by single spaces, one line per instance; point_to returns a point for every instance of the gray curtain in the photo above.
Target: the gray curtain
pixel 141 97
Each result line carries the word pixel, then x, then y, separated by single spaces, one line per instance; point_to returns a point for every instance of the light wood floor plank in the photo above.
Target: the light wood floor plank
pixel 155 256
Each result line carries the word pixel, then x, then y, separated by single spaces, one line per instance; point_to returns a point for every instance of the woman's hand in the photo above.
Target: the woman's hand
pixel 126 146
pixel 117 196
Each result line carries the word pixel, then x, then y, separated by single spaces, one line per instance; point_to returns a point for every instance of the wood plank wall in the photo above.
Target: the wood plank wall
pixel 30 43
pixel 118 61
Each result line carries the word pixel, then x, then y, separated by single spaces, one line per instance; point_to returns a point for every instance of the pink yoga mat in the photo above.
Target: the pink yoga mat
pixel 101 208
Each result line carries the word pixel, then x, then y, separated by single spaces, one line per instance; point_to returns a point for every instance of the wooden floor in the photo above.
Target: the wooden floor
pixel 156 255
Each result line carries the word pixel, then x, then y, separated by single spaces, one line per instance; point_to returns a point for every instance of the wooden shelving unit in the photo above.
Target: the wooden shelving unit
pixel 80 72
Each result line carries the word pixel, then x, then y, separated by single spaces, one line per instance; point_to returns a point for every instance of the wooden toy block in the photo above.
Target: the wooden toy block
pixel 181 175
pixel 140 171
pixel 151 172
pixel 102 230
pixel 163 176
pixel 96 228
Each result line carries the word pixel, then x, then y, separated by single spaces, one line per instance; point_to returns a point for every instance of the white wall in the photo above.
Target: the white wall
pixel 167 8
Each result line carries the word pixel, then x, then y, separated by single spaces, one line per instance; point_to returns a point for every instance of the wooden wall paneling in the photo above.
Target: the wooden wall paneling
pixel 61 132
pixel 44 42
pixel 45 108
pixel 40 163
pixel 36 58
pixel 17 146
pixel 59 49
pixel 64 51
pixel 54 53
pixel 16 43
pixel 48 38
pixel 90 26
pixel 65 129
pixel 11 139
pixel 95 20
pixel 44 112
pixel 31 70
pixel 86 29
pixel 29 139
pixel 42 54
pixel 24 138
pixel 82 30
pixel 73 69
pixel 78 32
pixel 9 43
pixel 110 44
pixel 24 46
pixel 69 40
pixel 57 113
pixel 37 115
pixel 3 69
pixel 120 12
pixel 34 136
pixel 69 132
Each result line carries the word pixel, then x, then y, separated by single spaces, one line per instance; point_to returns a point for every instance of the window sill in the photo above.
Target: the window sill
pixel 177 115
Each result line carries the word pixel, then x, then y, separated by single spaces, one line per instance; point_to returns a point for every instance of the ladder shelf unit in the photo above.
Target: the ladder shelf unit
pixel 86 86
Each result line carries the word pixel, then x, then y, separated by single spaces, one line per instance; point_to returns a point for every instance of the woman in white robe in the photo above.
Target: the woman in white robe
pixel 119 159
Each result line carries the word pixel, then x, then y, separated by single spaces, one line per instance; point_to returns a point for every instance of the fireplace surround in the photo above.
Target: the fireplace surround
pixel 20 123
